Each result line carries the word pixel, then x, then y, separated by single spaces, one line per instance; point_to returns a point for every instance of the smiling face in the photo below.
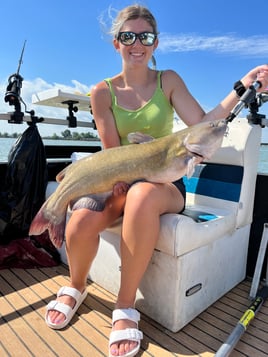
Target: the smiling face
pixel 137 53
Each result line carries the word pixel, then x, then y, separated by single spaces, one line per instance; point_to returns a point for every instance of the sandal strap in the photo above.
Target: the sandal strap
pixel 59 306
pixel 67 290
pixel 130 334
pixel 126 314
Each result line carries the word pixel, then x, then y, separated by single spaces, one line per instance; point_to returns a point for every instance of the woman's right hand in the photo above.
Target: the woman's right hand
pixel 120 188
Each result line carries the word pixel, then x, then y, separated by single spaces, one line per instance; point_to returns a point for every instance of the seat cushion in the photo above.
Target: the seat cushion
pixel 180 234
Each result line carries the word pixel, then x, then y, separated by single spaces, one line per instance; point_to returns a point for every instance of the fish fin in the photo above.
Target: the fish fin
pixel 139 138
pixel 40 223
pixel 93 202
pixel 190 167
pixel 60 176
pixel 56 233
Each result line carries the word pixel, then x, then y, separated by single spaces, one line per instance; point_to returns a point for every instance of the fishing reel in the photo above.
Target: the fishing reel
pixel 262 97
pixel 12 96
pixel 253 116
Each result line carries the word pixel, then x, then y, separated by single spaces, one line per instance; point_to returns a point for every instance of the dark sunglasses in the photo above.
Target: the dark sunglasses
pixel 128 38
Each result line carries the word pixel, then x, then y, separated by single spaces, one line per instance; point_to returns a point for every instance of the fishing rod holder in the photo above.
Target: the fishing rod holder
pixel 251 100
pixel 71 109
pixel 253 116
pixel 34 119
pixel 16 117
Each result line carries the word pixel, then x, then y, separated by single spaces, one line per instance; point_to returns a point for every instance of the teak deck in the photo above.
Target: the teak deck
pixel 23 332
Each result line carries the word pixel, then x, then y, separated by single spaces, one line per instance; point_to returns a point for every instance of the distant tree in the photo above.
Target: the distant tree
pixel 66 134
pixel 76 136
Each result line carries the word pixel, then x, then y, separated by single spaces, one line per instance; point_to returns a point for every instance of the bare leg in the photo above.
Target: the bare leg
pixel 144 205
pixel 82 240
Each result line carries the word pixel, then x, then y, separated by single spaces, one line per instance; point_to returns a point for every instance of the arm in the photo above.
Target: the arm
pixel 222 110
pixel 189 109
pixel 101 107
pixel 185 105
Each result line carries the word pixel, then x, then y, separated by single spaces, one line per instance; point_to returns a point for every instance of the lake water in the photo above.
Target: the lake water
pixel 6 144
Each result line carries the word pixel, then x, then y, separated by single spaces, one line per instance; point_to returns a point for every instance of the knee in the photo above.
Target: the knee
pixel 141 197
pixel 78 223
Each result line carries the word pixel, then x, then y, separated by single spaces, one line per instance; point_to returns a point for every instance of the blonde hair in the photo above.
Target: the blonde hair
pixel 132 12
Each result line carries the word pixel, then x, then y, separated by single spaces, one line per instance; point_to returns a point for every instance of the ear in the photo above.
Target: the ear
pixel 116 44
pixel 156 43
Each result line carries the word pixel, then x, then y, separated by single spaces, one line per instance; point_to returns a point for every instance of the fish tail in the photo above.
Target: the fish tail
pixel 56 233
pixel 41 223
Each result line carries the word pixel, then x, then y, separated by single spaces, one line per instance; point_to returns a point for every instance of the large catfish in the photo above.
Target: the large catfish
pixel 160 160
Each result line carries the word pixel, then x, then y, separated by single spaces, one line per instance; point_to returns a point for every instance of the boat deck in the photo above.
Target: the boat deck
pixel 24 294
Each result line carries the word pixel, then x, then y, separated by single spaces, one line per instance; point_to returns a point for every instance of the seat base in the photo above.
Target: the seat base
pixel 174 290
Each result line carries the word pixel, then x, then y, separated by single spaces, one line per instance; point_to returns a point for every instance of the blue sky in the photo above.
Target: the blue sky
pixel 211 44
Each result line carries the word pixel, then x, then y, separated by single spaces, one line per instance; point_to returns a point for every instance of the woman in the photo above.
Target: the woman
pixel 136 99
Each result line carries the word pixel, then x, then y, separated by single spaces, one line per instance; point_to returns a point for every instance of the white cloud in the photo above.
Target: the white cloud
pixel 228 44
pixel 35 86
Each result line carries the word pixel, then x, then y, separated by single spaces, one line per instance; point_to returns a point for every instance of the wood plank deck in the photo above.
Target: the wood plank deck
pixel 25 293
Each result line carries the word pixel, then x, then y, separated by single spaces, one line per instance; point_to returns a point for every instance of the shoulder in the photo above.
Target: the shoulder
pixel 100 95
pixel 169 75
pixel 171 82
pixel 100 98
pixel 104 87
pixel 100 88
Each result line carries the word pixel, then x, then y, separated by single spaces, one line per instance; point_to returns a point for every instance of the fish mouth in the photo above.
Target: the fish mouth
pixel 196 154
pixel 193 151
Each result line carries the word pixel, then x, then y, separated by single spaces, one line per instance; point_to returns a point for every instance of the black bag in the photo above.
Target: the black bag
pixel 22 196
pixel 25 185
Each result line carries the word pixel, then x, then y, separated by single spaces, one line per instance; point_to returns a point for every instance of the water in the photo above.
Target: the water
pixel 263 159
pixel 6 144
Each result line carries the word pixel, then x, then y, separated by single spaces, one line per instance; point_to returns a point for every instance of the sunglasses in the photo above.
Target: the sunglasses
pixel 128 38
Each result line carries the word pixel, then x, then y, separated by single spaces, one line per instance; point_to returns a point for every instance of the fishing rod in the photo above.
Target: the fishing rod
pixel 259 298
pixel 243 323
pixel 12 95
pixel 253 102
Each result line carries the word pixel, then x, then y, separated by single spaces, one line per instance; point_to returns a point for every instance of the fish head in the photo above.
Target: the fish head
pixel 202 140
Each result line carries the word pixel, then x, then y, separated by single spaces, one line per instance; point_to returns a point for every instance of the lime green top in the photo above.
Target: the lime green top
pixel 155 118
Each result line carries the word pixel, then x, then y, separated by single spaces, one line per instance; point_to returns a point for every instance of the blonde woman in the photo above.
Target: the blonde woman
pixel 136 99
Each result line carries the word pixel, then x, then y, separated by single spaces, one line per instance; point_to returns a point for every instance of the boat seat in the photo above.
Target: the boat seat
pixel 201 254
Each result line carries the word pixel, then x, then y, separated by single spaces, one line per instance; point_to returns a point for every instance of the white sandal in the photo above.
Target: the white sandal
pixel 64 308
pixel 130 334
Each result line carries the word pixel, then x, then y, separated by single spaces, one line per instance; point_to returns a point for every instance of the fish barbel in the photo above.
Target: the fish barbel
pixel 159 160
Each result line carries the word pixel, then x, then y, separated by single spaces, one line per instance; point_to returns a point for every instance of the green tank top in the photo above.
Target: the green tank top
pixel 155 118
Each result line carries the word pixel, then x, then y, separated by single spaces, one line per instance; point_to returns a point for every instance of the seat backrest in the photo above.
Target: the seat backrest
pixel 228 179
